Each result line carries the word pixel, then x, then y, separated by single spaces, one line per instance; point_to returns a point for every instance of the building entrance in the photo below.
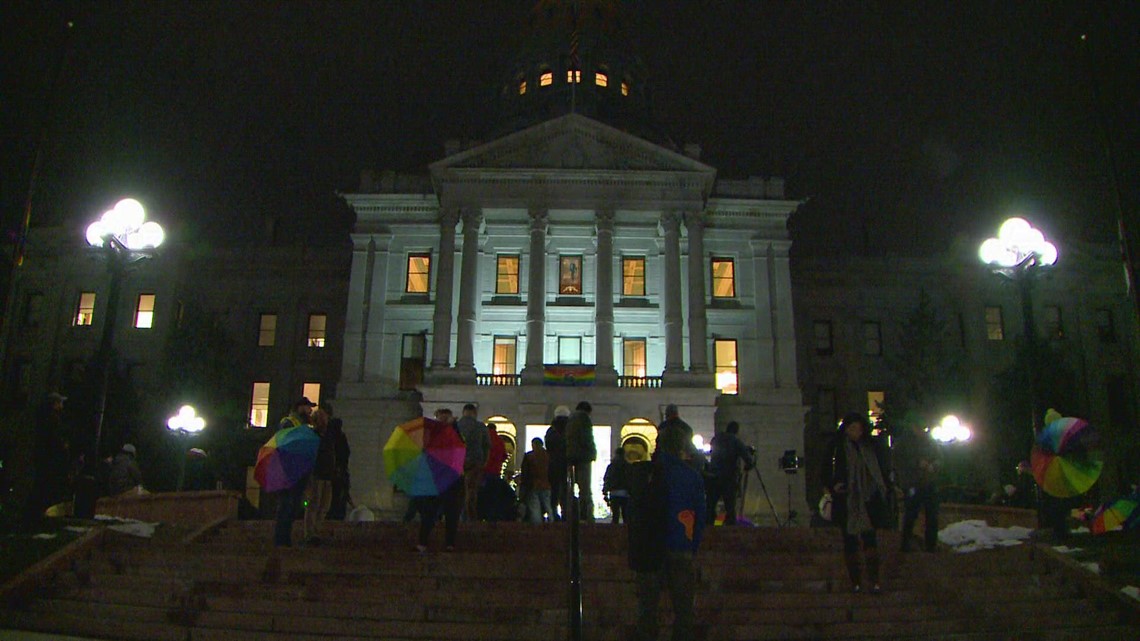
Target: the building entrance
pixel 602 435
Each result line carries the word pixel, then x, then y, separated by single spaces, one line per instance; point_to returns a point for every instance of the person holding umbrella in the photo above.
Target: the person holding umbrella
pixel 284 464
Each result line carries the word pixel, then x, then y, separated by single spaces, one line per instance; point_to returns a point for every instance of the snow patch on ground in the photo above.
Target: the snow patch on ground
pixel 1132 591
pixel 128 526
pixel 974 535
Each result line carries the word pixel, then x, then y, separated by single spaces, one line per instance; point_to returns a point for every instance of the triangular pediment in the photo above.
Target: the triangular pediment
pixel 568 143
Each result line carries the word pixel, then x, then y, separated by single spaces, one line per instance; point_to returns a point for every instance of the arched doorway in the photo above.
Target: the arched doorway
pixel 638 439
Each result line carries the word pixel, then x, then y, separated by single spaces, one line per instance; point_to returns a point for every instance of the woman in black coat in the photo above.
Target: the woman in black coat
pixel 857 479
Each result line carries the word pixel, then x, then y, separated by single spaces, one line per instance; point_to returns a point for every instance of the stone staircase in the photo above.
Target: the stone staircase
pixel 509 581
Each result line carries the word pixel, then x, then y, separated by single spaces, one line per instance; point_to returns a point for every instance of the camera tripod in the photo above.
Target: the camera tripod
pixel 743 490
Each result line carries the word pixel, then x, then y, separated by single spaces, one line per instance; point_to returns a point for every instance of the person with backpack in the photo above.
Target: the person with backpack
pixel 581 452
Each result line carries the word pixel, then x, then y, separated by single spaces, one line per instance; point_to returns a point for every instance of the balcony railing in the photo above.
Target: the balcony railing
pixel 498 380
pixel 515 380
pixel 651 382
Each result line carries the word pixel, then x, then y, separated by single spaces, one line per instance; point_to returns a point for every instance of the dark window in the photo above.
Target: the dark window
pixel 823 343
pixel 412 361
pixel 1105 328
pixel 872 339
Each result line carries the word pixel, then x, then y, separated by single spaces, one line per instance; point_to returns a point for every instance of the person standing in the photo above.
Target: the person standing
pixel 555 442
pixel 125 473
pixel 581 452
pixel 675 437
pixel 667 521
pixel 318 495
pixel 728 452
pixel 289 499
pixel 916 465
pixel 448 504
pixel 536 482
pixel 854 474
pixel 615 487
pixel 474 434
pixel 341 480
pixel 50 457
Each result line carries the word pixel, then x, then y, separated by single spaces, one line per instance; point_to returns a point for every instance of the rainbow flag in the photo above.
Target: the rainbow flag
pixel 568 375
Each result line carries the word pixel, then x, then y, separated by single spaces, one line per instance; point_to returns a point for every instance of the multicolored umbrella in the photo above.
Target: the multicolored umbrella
pixel 1064 460
pixel 424 457
pixel 286 458
pixel 1120 514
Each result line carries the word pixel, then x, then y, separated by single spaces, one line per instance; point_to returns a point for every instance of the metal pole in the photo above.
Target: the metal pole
pixel 1025 286
pixel 183 441
pixel 86 492
pixel 574 607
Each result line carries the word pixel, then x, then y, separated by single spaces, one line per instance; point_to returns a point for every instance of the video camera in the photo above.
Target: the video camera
pixel 790 462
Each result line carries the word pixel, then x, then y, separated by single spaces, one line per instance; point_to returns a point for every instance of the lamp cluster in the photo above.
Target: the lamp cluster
pixel 1018 243
pixel 125 225
pixel 186 421
pixel 951 430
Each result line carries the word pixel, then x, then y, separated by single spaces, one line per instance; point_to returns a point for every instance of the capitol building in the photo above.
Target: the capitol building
pixel 575 252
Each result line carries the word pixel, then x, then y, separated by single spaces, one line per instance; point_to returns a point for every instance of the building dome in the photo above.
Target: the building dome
pixel 576 56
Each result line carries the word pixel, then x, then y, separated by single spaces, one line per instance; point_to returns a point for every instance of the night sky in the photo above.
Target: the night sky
pixel 909 125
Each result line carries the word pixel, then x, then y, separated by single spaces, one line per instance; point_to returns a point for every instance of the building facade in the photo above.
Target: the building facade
pixel 564 262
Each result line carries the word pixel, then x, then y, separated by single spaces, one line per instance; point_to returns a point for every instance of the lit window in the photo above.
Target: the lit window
pixel 570 275
pixel 317 325
pixel 995 326
pixel 546 79
pixel 507 275
pixel 633 276
pixel 144 311
pixel 872 339
pixel 823 345
pixel 504 358
pixel 633 357
pixel 1054 328
pixel 267 332
pixel 601 79
pixel 522 87
pixel 569 350
pixel 259 406
pixel 875 401
pixel 723 278
pixel 724 357
pixel 312 391
pixel 1105 328
pixel 625 88
pixel 419 274
pixel 574 76
pixel 85 310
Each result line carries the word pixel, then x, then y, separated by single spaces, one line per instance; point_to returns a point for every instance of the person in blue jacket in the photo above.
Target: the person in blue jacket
pixel 667 518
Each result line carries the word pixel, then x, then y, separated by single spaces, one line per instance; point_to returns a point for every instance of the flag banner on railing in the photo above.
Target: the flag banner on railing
pixel 568 375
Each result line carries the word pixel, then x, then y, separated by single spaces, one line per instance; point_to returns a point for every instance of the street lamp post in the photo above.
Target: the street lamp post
pixel 184 424
pixel 1018 253
pixel 124 236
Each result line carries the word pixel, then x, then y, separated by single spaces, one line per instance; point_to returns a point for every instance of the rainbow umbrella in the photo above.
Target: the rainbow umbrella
pixel 1064 459
pixel 286 457
pixel 424 457
pixel 1116 515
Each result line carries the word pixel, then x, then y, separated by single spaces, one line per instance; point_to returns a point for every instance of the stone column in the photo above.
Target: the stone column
pixel 468 293
pixel 536 300
pixel 605 374
pixel 670 230
pixel 698 324
pixel 444 286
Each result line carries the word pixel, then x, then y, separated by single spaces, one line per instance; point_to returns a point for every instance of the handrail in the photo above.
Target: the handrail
pixel 651 382
pixel 574 606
